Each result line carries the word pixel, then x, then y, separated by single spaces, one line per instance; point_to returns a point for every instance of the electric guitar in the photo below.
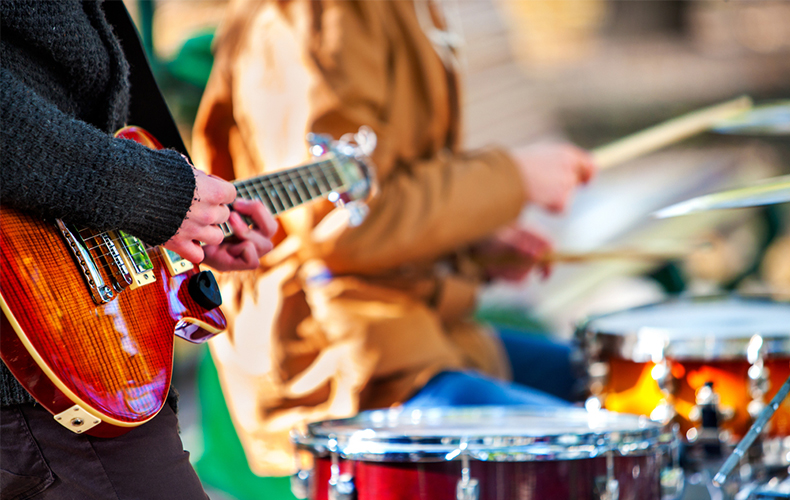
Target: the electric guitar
pixel 89 316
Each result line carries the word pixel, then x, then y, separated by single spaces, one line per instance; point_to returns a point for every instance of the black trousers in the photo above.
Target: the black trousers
pixel 41 460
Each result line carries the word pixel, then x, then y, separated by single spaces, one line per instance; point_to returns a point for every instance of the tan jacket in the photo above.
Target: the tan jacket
pixel 397 310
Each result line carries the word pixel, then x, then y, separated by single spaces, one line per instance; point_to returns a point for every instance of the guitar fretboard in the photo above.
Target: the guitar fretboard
pixel 286 189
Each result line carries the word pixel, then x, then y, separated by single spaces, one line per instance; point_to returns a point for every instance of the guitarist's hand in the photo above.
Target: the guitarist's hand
pixel 209 208
pixel 248 244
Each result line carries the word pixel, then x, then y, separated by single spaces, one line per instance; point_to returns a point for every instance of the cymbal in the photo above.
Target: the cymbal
pixel 767 119
pixel 767 192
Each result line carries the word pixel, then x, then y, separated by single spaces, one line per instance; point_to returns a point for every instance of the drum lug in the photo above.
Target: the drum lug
pixel 709 414
pixel 662 374
pixel 467 488
pixel 759 376
pixel 467 491
pixel 342 488
pixel 300 484
pixel 672 475
pixel 664 412
pixel 608 488
pixel 598 377
pixel 673 481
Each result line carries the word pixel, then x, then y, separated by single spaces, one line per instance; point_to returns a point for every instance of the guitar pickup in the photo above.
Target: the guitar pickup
pixel 175 263
pixel 141 269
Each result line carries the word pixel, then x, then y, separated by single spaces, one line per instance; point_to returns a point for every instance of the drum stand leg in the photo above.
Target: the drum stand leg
pixel 751 435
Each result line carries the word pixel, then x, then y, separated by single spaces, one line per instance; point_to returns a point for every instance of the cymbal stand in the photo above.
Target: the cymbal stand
pixel 754 431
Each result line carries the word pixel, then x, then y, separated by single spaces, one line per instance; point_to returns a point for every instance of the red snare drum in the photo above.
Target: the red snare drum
pixel 487 453
pixel 667 360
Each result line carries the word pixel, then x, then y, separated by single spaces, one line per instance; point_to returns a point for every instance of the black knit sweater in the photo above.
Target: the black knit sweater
pixel 64 90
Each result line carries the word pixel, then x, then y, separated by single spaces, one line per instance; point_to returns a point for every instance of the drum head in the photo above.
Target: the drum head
pixel 484 433
pixel 701 328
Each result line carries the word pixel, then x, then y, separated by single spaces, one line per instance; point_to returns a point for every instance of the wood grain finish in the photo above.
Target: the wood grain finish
pixel 115 359
pixel 632 389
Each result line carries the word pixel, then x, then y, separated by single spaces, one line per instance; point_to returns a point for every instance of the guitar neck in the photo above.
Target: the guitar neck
pixel 286 189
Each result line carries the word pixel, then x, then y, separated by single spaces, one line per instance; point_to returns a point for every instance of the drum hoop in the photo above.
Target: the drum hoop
pixel 640 345
pixel 380 445
pixel 708 348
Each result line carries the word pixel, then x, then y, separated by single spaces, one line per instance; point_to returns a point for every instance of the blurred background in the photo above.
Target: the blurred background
pixel 591 71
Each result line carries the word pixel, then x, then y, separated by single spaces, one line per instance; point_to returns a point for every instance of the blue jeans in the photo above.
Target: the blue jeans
pixel 542 376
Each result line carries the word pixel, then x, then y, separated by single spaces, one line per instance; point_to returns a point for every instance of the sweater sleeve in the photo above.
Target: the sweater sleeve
pixel 56 166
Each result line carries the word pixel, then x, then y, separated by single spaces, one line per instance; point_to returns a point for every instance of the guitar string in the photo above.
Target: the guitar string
pixel 284 179
pixel 107 262
pixel 277 181
pixel 287 182
pixel 247 189
pixel 324 167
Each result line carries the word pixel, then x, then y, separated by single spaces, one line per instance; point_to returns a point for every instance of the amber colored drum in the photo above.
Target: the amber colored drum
pixel 488 453
pixel 664 354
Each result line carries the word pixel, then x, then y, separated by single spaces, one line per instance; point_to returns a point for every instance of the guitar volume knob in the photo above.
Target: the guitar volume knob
pixel 204 290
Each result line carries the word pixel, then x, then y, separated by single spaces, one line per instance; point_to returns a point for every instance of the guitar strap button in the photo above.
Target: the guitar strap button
pixel 76 419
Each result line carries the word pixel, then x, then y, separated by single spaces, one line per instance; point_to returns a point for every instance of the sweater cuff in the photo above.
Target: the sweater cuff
pixel 166 202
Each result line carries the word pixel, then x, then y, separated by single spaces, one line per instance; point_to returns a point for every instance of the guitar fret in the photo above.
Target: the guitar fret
pixel 285 189
pixel 263 196
pixel 281 177
pixel 320 177
pixel 255 191
pixel 306 183
pixel 300 187
pixel 244 191
pixel 330 174
pixel 274 194
pixel 336 177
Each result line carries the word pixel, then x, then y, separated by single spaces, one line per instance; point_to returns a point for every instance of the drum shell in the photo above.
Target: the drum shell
pixel 630 389
pixel 714 339
pixel 638 477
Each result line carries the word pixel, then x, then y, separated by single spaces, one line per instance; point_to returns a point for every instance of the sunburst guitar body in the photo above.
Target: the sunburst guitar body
pixel 89 316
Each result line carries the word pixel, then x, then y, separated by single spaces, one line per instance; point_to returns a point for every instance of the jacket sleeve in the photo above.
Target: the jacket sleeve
pixel 326 67
pixel 56 166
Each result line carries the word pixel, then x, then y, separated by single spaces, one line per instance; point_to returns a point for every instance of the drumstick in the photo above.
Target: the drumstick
pixel 610 255
pixel 571 257
pixel 666 133
pixel 754 431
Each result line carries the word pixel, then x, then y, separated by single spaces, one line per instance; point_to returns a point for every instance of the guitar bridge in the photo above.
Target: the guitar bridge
pixel 100 292
pixel 104 251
